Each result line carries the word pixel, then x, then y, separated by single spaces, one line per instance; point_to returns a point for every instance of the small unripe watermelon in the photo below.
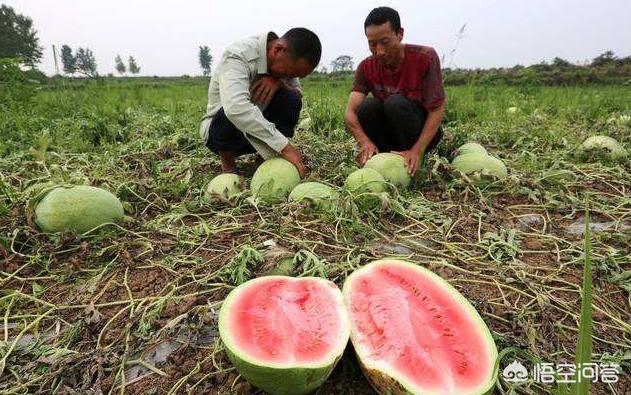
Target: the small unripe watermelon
pixel 78 208
pixel 391 167
pixel 367 187
pixel 225 186
pixel 470 148
pixel 318 194
pixel 470 163
pixel 365 180
pixel 274 179
pixel 606 144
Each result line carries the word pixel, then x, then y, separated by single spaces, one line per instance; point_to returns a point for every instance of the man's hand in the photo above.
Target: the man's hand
pixel 412 158
pixel 293 155
pixel 263 89
pixel 366 150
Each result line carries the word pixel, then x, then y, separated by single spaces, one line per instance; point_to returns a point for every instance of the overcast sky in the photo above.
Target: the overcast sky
pixel 164 36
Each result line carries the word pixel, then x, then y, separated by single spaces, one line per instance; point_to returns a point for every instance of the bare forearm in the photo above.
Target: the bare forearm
pixel 430 129
pixel 352 125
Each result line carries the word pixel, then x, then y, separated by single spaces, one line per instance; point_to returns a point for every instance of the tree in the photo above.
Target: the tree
pixel 205 59
pixel 120 66
pixel 68 60
pixel 605 58
pixel 18 38
pixel 133 66
pixel 342 63
pixel 560 63
pixel 86 62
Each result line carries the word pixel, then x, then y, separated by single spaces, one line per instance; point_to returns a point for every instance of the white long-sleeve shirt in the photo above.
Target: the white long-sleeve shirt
pixel 229 88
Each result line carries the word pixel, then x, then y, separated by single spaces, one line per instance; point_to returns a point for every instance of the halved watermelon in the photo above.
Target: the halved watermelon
pixel 413 333
pixel 284 334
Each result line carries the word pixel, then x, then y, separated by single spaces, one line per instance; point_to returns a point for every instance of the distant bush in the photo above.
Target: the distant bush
pixel 17 87
pixel 604 69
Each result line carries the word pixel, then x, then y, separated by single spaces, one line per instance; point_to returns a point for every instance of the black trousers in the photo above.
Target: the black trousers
pixel 394 124
pixel 283 111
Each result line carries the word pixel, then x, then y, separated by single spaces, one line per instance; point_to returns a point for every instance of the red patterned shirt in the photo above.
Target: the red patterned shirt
pixel 418 78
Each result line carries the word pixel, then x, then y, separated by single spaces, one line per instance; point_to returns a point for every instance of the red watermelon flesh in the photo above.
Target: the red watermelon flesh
pixel 409 325
pixel 281 320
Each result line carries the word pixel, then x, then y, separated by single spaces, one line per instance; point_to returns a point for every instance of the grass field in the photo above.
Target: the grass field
pixel 141 298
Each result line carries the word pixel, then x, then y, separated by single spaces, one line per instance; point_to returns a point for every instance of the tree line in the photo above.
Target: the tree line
pixel 606 68
pixel 19 41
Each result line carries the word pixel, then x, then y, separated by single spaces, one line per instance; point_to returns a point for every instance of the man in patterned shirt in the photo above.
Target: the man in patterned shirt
pixel 405 111
pixel 254 97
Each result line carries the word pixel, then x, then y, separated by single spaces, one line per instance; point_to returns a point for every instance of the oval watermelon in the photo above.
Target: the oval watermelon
pixel 78 208
pixel 477 162
pixel 318 195
pixel 284 334
pixel 470 148
pixel 413 333
pixel 392 167
pixel 274 179
pixel 224 186
pixel 604 144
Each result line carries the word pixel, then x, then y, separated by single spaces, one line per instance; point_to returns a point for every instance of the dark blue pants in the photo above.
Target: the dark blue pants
pixel 283 111
pixel 394 124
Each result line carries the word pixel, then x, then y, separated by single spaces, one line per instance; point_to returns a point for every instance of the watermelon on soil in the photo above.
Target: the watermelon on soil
pixel 317 194
pixel 470 148
pixel 478 162
pixel 224 186
pixel 367 186
pixel 274 179
pixel 78 208
pixel 284 267
pixel 391 167
pixel 283 334
pixel 365 180
pixel 605 144
pixel 413 333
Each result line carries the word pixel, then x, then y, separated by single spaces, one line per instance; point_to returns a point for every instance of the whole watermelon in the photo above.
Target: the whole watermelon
pixel 77 208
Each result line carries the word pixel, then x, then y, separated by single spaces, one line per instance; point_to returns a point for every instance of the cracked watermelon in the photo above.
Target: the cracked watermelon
pixel 283 334
pixel 225 186
pixel 413 333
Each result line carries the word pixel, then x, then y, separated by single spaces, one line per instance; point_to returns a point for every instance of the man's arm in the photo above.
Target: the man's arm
pixel 234 90
pixel 432 123
pixel 366 147
pixel 430 128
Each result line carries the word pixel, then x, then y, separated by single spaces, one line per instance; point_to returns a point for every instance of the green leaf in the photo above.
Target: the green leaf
pixel 584 347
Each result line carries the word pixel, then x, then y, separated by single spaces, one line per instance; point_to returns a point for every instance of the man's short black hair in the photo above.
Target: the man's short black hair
pixel 305 44
pixel 381 15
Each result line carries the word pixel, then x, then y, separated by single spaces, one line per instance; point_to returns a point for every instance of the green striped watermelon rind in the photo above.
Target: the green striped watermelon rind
pixel 384 379
pixel 278 378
